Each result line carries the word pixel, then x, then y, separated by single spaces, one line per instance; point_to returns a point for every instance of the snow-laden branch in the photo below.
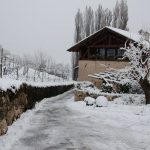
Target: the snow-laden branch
pixel 115 76
pixel 139 58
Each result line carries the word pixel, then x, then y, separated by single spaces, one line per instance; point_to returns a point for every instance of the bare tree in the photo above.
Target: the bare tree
pixel 116 11
pixel 92 28
pixel 79 35
pixel 88 21
pixel 17 65
pixel 120 15
pixel 102 18
pixel 67 71
pixel 27 63
pixel 78 27
pixel 74 62
pixel 98 18
pixel 108 17
pixel 139 57
pixel 85 25
pixel 1 62
pixel 40 60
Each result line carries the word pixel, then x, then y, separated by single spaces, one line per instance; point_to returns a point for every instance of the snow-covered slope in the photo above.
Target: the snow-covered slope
pixel 32 75
pixel 7 83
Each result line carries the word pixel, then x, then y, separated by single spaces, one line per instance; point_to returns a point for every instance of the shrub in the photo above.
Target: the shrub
pixel 125 88
pixel 89 101
pixel 101 101
pixel 107 88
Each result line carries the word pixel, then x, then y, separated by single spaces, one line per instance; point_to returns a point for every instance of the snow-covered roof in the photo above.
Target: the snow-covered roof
pixel 133 36
pixel 129 35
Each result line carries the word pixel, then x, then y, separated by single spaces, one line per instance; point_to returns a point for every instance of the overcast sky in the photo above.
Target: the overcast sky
pixel 27 26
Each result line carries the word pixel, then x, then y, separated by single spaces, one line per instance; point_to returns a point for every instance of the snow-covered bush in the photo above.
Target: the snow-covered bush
pixel 107 88
pixel 89 101
pixel 101 101
pixel 135 88
pixel 125 88
pixel 128 99
pixel 84 85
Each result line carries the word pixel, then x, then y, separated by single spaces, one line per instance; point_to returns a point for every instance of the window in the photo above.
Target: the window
pixel 120 53
pixel 100 53
pixel 111 53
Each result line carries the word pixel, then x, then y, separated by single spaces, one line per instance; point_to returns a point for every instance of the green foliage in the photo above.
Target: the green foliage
pixel 107 88
pixel 125 88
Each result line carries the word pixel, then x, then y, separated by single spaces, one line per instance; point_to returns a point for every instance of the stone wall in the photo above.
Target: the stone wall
pixel 80 95
pixel 13 104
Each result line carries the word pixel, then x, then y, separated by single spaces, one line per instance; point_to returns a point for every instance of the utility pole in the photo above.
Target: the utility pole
pixel 1 64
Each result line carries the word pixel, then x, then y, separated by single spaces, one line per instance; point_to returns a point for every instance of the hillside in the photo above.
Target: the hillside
pixel 32 75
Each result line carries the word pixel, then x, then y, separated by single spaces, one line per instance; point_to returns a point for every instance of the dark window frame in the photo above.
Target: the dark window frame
pixel 111 53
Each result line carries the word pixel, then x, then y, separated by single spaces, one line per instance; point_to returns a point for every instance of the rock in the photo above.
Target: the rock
pixel 2 113
pixel 17 112
pixel 109 98
pixel 101 101
pixel 89 101
pixel 22 99
pixel 3 127
pixel 10 116
pixel 114 97
pixel 79 95
pixel 84 85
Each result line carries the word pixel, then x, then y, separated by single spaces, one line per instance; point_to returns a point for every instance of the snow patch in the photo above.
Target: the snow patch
pixel 89 101
pixel 101 101
pixel 7 83
pixel 130 99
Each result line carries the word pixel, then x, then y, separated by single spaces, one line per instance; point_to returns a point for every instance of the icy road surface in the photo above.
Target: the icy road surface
pixel 60 124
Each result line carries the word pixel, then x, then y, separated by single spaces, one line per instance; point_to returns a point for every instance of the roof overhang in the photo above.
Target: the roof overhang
pixel 120 32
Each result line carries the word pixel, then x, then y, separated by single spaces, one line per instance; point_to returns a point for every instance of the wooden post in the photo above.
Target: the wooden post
pixel 88 53
pixel 109 41
pixel 1 64
pixel 116 53
pixel 105 53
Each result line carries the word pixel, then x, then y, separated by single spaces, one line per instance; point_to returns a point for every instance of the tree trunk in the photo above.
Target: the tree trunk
pixel 146 88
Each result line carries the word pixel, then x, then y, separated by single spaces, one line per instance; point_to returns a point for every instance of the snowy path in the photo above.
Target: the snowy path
pixel 60 124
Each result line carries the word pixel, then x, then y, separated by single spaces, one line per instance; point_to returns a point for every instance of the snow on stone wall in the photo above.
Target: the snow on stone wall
pixel 16 97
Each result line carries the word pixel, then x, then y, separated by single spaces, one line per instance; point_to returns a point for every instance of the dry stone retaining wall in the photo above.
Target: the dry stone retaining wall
pixel 80 95
pixel 13 104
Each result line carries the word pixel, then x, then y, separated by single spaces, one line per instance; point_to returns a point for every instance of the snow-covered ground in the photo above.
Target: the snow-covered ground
pixel 59 123
pixel 32 76
pixel 7 83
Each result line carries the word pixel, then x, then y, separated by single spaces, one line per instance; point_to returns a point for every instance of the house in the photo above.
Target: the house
pixel 101 51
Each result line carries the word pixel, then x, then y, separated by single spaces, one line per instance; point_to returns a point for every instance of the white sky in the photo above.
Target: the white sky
pixel 27 26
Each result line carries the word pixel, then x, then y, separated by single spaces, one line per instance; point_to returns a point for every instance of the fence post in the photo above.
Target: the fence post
pixel 1 64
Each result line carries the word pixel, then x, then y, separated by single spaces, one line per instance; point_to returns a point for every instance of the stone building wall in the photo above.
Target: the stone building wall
pixel 87 67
